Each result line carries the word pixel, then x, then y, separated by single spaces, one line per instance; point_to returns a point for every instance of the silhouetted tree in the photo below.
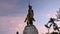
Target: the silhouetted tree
pixel 54 33
pixel 17 32
pixel 58 14
pixel 55 26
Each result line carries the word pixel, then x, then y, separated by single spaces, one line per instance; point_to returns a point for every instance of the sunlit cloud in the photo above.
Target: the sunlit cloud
pixel 12 23
pixel 49 15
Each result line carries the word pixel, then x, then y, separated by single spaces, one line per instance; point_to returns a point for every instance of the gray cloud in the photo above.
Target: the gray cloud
pixel 9 25
pixel 11 7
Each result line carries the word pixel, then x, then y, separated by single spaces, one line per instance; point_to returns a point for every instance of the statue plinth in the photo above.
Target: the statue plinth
pixel 30 29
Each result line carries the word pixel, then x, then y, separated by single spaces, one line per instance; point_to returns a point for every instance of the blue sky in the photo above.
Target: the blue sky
pixel 13 14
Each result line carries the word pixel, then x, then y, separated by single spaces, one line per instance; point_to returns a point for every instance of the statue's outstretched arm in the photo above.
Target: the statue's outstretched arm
pixel 25 20
pixel 34 19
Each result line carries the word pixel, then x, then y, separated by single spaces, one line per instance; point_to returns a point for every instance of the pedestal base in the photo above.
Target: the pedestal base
pixel 31 29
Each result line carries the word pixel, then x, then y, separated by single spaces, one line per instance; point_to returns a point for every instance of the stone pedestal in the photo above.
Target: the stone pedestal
pixel 31 29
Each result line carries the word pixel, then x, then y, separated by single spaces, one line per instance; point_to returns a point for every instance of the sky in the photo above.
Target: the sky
pixel 13 14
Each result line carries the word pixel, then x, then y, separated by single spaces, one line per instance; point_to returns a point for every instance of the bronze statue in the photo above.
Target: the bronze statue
pixel 30 11
pixel 29 19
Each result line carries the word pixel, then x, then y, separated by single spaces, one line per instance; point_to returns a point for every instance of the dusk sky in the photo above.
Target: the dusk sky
pixel 13 14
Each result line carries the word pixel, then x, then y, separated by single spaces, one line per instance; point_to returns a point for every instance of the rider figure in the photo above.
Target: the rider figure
pixel 29 17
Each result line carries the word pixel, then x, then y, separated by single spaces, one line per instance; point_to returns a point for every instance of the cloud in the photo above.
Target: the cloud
pixel 9 4
pixel 11 17
pixel 11 23
pixel 49 15
pixel 10 7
